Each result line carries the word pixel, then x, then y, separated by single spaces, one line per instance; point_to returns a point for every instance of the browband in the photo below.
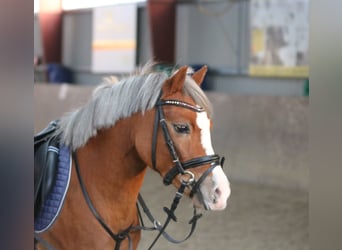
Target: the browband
pixel 180 104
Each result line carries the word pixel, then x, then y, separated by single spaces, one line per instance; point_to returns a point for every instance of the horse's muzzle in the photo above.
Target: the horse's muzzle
pixel 211 191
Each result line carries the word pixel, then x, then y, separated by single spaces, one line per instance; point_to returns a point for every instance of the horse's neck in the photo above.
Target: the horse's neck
pixel 113 173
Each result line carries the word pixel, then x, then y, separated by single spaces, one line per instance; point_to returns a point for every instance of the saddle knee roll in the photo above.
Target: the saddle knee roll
pixel 49 177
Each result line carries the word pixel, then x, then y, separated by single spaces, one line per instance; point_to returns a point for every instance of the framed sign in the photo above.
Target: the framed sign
pixel 114 41
pixel 279 38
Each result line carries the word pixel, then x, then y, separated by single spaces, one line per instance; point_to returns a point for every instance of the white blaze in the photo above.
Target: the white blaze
pixel 219 179
pixel 204 124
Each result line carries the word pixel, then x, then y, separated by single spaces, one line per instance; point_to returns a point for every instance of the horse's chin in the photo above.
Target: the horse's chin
pixel 209 206
pixel 199 205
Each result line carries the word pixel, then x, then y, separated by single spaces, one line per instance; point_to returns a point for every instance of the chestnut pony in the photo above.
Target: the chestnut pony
pixel 145 120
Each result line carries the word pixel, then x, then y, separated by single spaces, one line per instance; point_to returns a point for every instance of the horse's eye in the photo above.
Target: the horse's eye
pixel 181 128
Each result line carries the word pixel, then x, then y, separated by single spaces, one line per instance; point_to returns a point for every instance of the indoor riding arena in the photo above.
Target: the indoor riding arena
pixel 248 57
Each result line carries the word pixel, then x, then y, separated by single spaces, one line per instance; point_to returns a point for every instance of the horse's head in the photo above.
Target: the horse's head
pixel 178 142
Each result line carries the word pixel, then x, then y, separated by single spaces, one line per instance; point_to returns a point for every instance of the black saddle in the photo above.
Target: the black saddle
pixel 46 150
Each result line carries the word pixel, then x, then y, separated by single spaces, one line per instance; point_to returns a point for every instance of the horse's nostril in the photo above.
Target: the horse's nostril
pixel 217 192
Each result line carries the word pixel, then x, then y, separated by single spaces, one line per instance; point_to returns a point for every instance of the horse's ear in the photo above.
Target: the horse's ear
pixel 199 75
pixel 176 82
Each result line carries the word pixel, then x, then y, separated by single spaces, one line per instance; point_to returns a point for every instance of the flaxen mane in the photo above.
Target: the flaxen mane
pixel 113 101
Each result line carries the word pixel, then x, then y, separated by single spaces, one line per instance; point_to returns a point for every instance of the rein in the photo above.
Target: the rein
pixel 179 168
pixel 118 238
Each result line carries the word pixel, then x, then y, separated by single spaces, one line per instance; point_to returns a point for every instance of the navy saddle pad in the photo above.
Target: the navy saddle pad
pixel 52 169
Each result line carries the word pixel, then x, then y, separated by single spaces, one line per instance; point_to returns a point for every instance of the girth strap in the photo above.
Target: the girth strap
pixel 44 243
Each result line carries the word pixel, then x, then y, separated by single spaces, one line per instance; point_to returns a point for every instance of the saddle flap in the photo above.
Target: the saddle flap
pixel 46 150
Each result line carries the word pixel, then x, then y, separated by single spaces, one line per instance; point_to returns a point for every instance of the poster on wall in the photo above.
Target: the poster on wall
pixel 279 38
pixel 114 40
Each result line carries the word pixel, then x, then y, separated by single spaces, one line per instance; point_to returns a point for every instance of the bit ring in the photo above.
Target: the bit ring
pixel 190 180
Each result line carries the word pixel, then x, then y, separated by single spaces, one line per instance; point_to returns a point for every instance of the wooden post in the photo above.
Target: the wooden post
pixel 162 16
pixel 50 21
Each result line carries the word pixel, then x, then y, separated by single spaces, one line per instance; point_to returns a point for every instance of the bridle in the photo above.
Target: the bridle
pixel 182 168
pixel 179 167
